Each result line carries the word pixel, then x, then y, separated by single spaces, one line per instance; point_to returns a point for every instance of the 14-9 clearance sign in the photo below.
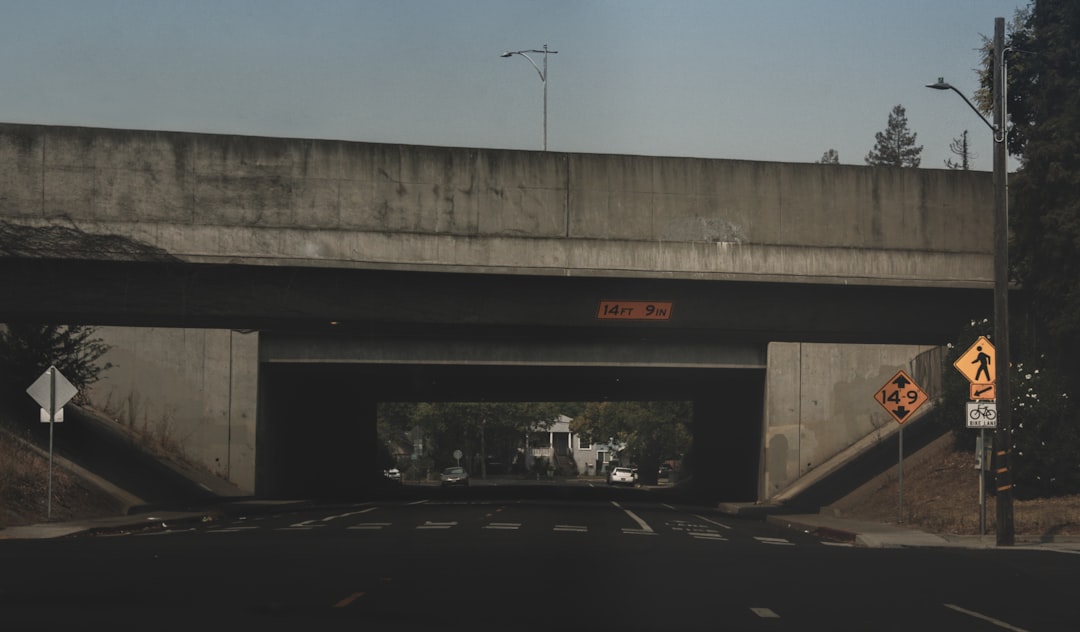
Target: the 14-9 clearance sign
pixel 901 397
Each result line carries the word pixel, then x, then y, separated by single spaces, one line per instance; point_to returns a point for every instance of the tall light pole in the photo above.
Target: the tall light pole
pixel 543 75
pixel 1003 434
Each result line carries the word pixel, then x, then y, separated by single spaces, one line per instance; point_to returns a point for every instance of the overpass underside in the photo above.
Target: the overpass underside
pixel 317 422
pixel 335 300
pixel 336 342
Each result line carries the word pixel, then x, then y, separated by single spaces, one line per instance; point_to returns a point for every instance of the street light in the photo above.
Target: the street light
pixel 1003 436
pixel 543 75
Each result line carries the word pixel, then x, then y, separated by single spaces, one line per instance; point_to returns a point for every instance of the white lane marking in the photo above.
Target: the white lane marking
pixel 765 613
pixel 437 525
pixel 572 528
pixel 641 523
pixel 507 526
pixel 369 525
pixel 775 541
pixel 346 515
pixel 972 613
pixel 232 529
pixel 638 532
pixel 843 544
pixel 416 502
pixel 694 530
pixel 719 524
pixel 708 536
pixel 303 525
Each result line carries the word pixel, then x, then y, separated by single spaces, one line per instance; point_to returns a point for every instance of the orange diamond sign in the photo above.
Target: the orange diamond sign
pixel 978 363
pixel 901 397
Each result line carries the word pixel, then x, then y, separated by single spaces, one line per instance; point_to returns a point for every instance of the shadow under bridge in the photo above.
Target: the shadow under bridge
pixel 317 435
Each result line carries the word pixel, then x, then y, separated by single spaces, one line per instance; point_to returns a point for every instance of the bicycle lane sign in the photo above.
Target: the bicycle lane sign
pixel 981 415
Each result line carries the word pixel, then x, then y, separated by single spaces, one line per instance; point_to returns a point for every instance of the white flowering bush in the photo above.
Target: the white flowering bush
pixel 1045 421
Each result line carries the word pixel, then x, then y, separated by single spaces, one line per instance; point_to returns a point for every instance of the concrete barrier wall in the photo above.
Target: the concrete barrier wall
pixel 280 201
pixel 195 392
pixel 191 393
pixel 820 402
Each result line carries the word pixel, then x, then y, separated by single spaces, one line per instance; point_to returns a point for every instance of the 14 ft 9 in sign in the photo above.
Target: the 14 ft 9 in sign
pixel 901 397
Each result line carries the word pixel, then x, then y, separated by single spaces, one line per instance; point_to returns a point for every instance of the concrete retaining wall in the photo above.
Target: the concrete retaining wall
pixel 820 402
pixel 192 392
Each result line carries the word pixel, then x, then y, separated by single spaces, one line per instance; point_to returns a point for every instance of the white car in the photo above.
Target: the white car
pixel 621 476
pixel 393 474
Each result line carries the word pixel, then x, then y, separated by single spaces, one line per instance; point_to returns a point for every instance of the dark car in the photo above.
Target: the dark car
pixel 454 476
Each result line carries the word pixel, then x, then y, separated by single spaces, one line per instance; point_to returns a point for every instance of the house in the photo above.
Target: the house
pixel 570 453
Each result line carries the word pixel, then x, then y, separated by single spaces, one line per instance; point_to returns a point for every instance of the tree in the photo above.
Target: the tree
pixel 959 146
pixel 895 147
pixel 652 431
pixel 27 351
pixel 830 157
pixel 1043 89
pixel 479 429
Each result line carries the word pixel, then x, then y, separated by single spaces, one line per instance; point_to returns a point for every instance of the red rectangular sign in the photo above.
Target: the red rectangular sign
pixel 634 310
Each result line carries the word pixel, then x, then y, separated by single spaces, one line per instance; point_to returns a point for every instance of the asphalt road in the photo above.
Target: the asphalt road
pixel 501 559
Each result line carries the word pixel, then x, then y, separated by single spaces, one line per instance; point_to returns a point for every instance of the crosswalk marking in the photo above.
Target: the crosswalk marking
pixel 437 525
pixel 765 613
pixel 775 541
pixel 705 535
pixel 506 526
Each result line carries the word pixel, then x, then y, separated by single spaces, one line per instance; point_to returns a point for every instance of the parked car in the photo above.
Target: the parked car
pixel 621 476
pixel 393 474
pixel 454 476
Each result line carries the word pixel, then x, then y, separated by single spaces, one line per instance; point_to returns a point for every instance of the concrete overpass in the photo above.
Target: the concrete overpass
pixel 424 272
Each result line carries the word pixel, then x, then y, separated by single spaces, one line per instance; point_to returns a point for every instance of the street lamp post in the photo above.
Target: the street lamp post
pixel 543 75
pixel 1003 434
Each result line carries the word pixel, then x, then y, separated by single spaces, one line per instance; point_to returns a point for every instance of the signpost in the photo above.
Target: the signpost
pixel 979 365
pixel 901 397
pixel 51 391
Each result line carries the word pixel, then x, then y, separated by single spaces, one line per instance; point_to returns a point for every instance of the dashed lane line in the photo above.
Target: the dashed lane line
pixel 774 541
pixel 765 613
pixel 977 615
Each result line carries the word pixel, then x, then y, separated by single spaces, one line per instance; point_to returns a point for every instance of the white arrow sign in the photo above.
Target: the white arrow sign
pixel 42 390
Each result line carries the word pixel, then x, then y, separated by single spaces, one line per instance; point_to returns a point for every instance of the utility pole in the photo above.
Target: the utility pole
pixel 1003 434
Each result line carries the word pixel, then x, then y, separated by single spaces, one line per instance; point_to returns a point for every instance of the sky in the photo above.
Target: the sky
pixel 768 80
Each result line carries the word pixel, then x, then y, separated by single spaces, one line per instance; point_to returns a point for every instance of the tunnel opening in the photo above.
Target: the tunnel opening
pixel 318 425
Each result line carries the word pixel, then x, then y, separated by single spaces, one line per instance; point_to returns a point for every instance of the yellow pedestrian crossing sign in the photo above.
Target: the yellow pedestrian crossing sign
pixel 979 363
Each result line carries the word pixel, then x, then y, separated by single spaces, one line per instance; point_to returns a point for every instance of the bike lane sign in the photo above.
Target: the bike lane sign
pixel 981 415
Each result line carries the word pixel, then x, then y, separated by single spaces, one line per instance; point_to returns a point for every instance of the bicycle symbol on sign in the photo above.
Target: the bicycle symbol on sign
pixel 982 411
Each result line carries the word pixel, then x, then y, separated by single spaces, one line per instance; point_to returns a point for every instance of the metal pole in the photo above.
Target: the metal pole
pixel 982 481
pixel 52 420
pixel 900 485
pixel 1003 434
pixel 545 95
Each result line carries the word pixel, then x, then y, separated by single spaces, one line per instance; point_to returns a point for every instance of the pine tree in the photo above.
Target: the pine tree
pixel 959 146
pixel 895 147
pixel 830 157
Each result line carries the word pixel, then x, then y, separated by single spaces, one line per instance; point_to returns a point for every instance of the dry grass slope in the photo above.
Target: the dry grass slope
pixel 941 495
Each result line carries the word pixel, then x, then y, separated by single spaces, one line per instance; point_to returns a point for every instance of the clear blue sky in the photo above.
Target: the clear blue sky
pixel 780 80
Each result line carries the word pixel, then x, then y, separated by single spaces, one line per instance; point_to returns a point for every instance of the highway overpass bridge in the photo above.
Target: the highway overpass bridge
pixel 376 272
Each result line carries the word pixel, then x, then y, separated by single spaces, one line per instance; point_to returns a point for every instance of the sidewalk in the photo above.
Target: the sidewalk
pixel 882 536
pixel 146 521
